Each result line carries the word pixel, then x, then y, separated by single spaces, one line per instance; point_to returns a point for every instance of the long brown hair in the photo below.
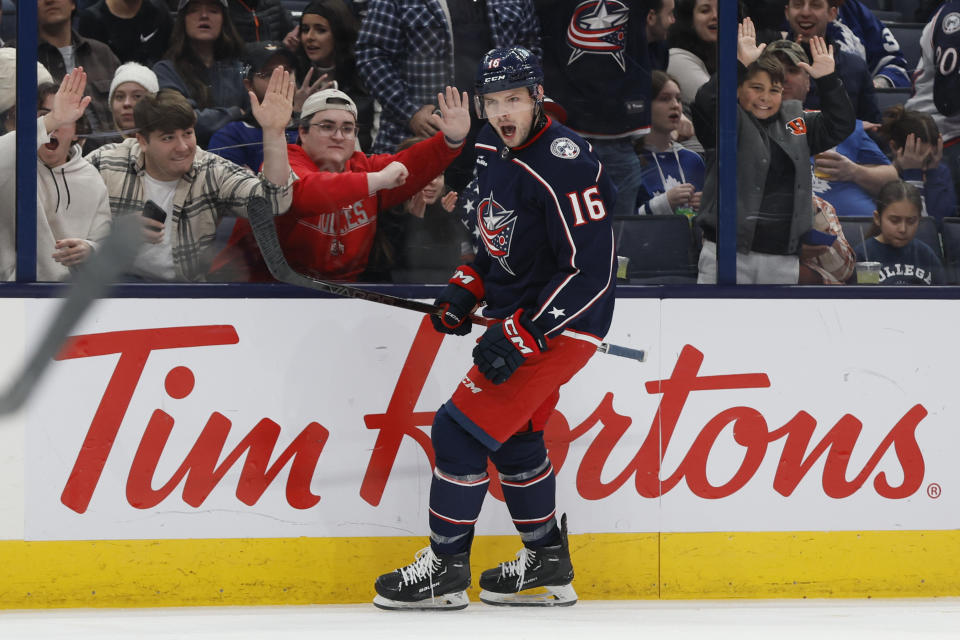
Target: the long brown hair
pixel 229 44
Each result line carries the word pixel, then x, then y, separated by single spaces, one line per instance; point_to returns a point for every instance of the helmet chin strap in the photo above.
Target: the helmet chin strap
pixel 539 120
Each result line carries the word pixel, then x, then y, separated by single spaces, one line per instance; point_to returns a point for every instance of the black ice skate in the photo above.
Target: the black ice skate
pixel 537 578
pixel 431 581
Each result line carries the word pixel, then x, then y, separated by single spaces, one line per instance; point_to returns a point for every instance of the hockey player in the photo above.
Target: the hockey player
pixel 937 83
pixel 545 270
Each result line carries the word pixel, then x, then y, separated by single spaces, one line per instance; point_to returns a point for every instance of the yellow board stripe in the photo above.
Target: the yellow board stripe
pixel 151 573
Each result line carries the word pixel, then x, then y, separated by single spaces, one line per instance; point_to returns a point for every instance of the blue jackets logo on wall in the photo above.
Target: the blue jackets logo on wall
pixel 599 26
pixel 496 226
pixel 564 148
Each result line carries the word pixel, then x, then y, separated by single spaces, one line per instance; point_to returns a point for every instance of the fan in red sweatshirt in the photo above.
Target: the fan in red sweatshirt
pixel 332 222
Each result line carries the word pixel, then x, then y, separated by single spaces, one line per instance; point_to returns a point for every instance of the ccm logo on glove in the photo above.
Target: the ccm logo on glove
pixel 510 328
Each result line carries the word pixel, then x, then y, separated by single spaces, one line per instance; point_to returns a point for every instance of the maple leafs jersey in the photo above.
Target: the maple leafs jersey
pixel 545 233
pixel 937 84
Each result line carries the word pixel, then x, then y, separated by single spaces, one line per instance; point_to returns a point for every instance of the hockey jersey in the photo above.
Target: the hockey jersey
pixel 858 31
pixel 596 64
pixel 664 170
pixel 545 232
pixel 937 84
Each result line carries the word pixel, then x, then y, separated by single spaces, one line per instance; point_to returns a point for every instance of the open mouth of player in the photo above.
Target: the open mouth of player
pixel 508 130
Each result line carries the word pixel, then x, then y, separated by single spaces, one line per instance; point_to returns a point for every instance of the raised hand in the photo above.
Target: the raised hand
pixel 277 106
pixel 69 103
pixel 747 48
pixel 306 89
pixel 822 56
pixel 454 118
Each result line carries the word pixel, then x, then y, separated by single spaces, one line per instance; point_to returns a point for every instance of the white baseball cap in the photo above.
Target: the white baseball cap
pixel 327 99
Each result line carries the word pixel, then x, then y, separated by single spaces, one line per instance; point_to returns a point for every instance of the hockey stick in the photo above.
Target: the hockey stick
pixel 265 232
pixel 92 280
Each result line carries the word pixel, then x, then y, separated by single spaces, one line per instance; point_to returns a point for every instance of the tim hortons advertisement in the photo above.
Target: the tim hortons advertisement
pixel 280 418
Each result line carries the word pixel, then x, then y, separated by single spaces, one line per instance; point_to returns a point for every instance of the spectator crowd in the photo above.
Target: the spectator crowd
pixel 356 121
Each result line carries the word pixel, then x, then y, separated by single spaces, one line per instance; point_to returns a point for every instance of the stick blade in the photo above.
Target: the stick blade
pixel 92 281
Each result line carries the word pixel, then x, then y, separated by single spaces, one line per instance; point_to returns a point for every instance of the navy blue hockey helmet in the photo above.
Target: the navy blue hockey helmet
pixel 507 68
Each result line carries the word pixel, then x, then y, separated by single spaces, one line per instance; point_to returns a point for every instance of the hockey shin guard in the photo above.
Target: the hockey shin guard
pixel 459 485
pixel 529 488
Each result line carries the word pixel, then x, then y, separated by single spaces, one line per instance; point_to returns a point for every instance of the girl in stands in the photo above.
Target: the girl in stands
pixel 203 63
pixel 904 260
pixel 328 33
pixel 672 176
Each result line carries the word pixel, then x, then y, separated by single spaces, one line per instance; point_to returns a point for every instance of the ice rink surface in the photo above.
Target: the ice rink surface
pixel 587 620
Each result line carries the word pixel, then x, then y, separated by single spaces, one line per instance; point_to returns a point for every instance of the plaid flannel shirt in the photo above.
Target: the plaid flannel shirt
pixel 213 188
pixel 405 54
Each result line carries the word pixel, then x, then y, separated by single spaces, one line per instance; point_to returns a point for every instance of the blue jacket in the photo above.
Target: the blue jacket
pixel 242 143
pixel 228 96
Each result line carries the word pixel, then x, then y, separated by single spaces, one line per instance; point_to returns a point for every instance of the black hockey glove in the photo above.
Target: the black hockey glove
pixel 463 292
pixel 506 345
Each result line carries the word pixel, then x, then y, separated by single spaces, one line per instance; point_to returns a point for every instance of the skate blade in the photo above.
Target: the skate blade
pixel 446 602
pixel 559 596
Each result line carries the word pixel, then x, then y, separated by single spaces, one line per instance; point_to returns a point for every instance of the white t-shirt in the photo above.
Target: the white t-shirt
pixel 68 59
pixel 155 261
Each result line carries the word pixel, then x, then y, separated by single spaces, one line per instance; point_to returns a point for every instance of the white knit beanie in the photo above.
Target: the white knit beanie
pixel 8 77
pixel 134 72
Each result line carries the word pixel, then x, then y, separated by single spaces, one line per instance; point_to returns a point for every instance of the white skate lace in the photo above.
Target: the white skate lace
pixel 424 565
pixel 518 567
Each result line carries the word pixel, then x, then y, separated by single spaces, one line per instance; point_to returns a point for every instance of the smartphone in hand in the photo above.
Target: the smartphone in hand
pixel 153 211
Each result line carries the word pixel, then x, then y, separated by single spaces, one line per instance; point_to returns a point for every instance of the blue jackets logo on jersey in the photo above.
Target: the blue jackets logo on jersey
pixel 599 26
pixel 496 225
pixel 951 23
pixel 564 148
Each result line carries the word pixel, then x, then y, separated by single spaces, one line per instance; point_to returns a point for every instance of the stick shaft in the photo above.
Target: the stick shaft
pixel 265 233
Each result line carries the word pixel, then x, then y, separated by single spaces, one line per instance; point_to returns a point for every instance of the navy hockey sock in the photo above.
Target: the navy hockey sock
pixel 459 485
pixel 529 488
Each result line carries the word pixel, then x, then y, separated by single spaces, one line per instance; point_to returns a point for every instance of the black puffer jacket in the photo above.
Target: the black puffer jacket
pixel 258 20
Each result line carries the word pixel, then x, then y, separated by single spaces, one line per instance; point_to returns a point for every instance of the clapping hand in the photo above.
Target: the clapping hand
pixel 454 118
pixel 277 107
pixel 449 201
pixel 822 56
